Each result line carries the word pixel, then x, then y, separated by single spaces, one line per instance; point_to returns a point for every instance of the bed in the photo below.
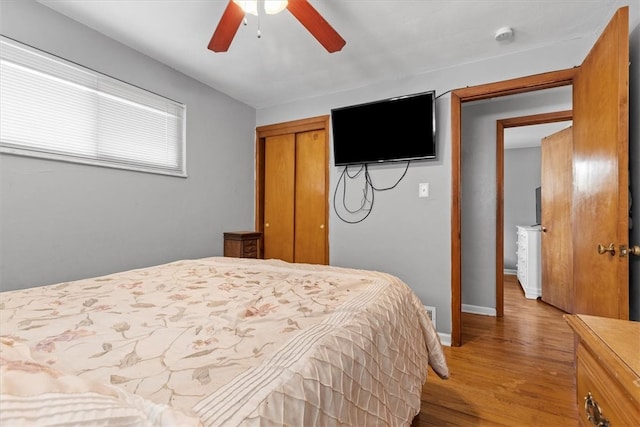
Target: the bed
pixel 215 342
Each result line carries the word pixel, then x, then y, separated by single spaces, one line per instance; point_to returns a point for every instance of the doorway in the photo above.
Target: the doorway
pixel 501 125
pixel 601 123
pixel 458 97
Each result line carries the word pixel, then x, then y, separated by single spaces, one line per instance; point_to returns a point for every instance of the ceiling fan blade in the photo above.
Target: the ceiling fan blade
pixel 316 25
pixel 227 28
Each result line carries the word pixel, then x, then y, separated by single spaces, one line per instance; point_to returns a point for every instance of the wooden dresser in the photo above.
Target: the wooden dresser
pixel 607 359
pixel 242 244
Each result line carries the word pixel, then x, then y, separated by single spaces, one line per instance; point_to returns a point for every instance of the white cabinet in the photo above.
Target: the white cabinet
pixel 529 261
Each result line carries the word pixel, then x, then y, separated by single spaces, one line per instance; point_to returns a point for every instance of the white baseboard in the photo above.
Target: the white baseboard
pixel 476 309
pixel 510 272
pixel 532 295
pixel 445 339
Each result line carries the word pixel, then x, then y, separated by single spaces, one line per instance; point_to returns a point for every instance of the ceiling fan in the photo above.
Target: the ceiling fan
pixel 302 10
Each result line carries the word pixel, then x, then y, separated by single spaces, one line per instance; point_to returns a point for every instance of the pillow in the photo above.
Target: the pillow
pixel 32 393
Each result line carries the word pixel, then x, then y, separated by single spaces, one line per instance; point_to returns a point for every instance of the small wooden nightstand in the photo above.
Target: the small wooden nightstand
pixel 242 244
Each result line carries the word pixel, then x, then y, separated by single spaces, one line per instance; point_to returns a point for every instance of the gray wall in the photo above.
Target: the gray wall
pixel 634 160
pixel 521 178
pixel 405 235
pixel 62 221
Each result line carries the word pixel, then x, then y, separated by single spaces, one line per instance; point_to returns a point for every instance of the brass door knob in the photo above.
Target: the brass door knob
pixel 631 250
pixel 604 249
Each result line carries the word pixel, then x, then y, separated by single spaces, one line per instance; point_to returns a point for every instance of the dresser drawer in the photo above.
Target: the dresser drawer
pixel 607 397
pixel 528 261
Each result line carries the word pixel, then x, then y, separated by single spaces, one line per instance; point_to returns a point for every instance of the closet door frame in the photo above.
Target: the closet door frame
pixel 296 126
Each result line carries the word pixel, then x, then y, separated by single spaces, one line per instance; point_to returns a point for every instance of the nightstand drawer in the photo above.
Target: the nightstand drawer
pixel 250 249
pixel 242 244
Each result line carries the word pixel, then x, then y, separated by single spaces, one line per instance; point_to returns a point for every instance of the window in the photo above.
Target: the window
pixel 55 109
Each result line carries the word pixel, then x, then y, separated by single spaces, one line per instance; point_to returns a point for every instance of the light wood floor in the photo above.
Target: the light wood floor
pixel 514 371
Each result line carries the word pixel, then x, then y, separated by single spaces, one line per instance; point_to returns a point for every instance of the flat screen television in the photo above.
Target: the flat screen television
pixel 394 129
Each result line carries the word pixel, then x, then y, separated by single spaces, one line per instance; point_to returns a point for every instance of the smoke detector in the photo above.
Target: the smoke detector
pixel 504 33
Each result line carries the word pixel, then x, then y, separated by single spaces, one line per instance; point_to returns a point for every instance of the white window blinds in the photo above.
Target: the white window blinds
pixel 59 110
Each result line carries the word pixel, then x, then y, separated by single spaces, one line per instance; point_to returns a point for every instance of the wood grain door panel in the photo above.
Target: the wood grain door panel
pixel 310 198
pixel 557 186
pixel 601 177
pixel 279 190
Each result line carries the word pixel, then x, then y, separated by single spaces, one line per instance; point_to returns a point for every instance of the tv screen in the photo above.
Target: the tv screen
pixel 394 129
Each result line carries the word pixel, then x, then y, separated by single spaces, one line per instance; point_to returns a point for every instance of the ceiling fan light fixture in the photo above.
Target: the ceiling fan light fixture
pixel 248 6
pixel 236 11
pixel 271 7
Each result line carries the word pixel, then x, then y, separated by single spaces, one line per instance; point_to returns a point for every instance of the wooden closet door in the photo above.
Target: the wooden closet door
pixel 310 198
pixel 279 191
pixel 292 189
pixel 557 188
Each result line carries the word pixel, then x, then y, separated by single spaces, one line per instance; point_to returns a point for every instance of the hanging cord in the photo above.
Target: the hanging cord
pixel 444 93
pixel 365 192
pixel 364 200
pixel 369 189
pixel 368 177
pixel 259 6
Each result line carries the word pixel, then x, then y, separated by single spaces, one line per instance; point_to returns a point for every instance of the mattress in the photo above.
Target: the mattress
pixel 216 342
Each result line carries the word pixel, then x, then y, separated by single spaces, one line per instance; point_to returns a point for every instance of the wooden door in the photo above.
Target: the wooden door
pixel 310 198
pixel 557 186
pixel 601 177
pixel 279 192
pixel 292 190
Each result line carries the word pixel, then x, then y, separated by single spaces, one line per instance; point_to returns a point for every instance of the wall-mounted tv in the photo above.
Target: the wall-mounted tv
pixel 394 129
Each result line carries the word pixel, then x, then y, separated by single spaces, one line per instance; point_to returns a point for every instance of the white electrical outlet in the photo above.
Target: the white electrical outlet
pixel 423 189
pixel 431 312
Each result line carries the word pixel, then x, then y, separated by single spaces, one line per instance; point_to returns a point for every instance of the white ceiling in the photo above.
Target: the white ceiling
pixel 386 39
pixel 530 136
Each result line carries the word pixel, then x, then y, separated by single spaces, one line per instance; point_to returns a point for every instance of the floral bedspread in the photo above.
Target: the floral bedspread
pixel 238 341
